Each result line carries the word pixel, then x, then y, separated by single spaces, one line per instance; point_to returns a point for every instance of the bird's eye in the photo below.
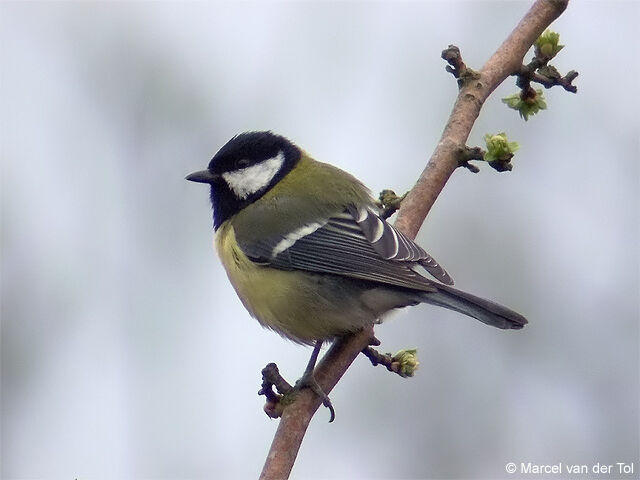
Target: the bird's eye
pixel 242 163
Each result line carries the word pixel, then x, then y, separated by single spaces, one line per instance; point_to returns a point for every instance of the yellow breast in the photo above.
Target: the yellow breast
pixel 293 304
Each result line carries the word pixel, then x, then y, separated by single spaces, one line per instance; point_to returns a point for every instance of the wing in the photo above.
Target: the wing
pixel 392 244
pixel 357 244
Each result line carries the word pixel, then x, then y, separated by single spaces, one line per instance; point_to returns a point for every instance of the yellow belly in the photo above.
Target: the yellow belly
pixel 303 307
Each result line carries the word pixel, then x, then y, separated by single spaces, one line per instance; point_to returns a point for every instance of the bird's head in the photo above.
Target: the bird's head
pixel 244 169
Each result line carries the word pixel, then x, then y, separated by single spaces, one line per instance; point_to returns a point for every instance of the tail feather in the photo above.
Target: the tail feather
pixel 484 310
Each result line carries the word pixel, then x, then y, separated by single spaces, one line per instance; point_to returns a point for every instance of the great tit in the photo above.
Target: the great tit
pixel 306 249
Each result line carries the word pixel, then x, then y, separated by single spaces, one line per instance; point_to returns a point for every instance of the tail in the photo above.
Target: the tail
pixel 484 310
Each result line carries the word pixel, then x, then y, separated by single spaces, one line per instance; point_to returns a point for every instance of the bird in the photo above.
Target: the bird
pixel 308 252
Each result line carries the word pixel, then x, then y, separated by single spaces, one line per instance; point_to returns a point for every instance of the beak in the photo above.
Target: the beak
pixel 203 176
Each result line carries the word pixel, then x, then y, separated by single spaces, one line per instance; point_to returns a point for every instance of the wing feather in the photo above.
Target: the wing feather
pixel 356 243
pixel 392 244
pixel 328 250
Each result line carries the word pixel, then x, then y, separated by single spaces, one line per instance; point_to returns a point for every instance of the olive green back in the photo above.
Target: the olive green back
pixel 310 192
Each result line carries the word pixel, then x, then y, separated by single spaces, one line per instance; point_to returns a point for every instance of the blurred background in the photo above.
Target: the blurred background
pixel 125 352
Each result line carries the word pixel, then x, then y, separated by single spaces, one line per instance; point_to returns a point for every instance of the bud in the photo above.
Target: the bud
pixel 406 362
pixel 499 151
pixel 528 105
pixel 499 147
pixel 547 45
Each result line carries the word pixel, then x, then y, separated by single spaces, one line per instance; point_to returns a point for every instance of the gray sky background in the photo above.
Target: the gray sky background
pixel 125 352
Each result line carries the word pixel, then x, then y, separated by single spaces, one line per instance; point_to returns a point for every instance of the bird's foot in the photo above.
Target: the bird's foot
pixel 308 380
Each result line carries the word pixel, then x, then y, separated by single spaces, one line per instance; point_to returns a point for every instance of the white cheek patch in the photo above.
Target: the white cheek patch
pixel 247 181
pixel 293 237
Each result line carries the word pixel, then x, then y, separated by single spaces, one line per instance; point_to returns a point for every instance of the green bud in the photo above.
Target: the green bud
pixel 499 151
pixel 547 45
pixel 527 106
pixel 407 362
pixel 512 101
pixel 389 198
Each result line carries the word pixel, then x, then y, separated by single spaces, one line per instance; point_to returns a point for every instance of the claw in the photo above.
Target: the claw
pixel 308 380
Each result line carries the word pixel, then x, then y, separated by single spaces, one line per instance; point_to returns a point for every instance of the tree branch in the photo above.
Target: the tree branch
pixel 296 416
pixel 445 159
pixel 506 60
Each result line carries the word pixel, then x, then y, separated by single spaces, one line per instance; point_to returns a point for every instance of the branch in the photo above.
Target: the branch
pixel 445 159
pixel 297 415
pixel 550 78
pixel 505 61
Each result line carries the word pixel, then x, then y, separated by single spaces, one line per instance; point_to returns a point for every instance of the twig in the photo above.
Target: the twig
pixel 538 71
pixel 457 67
pixel 271 378
pixel 552 78
pixel 465 154
pixel 506 60
pixel 394 363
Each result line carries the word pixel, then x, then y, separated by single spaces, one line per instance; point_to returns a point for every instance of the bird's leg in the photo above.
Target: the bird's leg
pixel 309 380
